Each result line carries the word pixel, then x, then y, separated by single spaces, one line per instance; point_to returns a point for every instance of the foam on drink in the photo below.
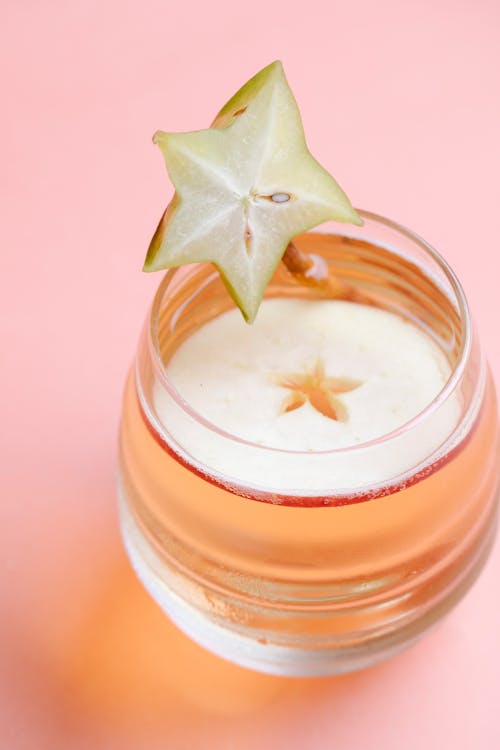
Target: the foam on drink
pixel 242 378
pixel 231 373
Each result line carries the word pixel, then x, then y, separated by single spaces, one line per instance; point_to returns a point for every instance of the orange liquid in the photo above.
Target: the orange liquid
pixel 408 547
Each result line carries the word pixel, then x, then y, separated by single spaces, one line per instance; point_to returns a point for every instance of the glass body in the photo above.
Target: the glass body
pixel 301 579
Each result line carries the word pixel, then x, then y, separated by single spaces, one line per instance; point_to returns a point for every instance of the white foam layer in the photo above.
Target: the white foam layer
pixel 233 374
pixel 230 372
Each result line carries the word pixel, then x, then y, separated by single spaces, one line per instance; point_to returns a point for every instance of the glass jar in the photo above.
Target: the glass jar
pixel 246 548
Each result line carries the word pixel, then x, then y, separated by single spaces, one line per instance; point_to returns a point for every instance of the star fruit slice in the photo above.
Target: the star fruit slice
pixel 244 188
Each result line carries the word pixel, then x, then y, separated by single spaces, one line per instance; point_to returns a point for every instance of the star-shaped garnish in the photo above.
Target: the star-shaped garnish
pixel 244 188
pixel 319 390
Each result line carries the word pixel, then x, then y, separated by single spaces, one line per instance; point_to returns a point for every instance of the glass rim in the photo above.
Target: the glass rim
pixel 429 409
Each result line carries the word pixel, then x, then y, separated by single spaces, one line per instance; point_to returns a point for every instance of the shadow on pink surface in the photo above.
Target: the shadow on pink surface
pixel 120 675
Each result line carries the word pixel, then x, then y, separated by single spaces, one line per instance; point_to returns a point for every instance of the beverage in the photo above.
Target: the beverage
pixel 323 557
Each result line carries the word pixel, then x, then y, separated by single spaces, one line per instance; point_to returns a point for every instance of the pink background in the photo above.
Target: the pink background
pixel 400 101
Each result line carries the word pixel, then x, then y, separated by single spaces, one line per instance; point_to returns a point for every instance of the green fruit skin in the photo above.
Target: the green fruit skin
pixel 224 118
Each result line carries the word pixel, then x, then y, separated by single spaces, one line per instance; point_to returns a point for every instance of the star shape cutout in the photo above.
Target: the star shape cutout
pixel 319 390
pixel 244 188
